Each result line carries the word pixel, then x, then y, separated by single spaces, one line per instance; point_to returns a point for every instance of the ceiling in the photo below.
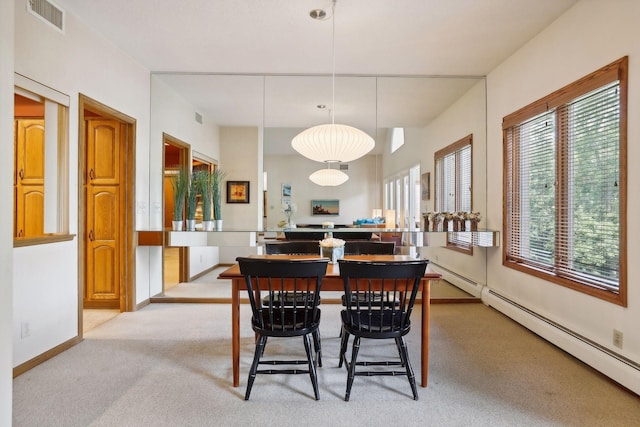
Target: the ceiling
pixel 266 62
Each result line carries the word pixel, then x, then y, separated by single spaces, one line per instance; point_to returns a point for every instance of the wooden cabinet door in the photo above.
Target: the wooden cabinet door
pixel 104 204
pixel 29 177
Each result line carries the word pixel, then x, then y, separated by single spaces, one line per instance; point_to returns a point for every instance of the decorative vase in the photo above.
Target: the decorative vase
pixel 334 253
pixel 191 225
pixel 177 225
pixel 474 225
pixel 217 224
pixel 207 225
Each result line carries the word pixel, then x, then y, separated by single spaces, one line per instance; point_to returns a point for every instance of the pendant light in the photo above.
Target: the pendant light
pixel 328 177
pixel 332 143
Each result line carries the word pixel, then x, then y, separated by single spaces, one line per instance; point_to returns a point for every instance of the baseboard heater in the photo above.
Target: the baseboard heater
pixel 504 304
pixel 462 282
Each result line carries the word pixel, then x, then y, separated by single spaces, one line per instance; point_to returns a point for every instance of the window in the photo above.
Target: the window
pixel 453 186
pixel 41 165
pixel 565 185
pixel 397 138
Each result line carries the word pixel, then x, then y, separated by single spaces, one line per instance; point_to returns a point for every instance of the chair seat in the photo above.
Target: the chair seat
pixel 374 324
pixel 292 324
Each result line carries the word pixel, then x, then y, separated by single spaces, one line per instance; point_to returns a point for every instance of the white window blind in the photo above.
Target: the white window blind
pixel 563 186
pixel 453 186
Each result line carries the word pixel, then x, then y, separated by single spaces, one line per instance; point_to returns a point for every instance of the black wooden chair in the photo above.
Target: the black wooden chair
pixel 293 247
pixel 368 247
pixel 353 235
pixel 399 281
pixel 304 235
pixel 300 278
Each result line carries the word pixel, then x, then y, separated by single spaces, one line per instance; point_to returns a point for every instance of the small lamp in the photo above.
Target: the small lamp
pixel 390 218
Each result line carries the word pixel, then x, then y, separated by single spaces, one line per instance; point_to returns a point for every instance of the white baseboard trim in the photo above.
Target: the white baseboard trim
pixel 622 370
pixel 464 283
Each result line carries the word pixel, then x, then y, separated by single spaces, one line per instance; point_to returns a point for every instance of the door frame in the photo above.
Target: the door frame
pixel 185 162
pixel 127 285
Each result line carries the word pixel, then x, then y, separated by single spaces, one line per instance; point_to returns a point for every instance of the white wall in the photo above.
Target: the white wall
pixel 6 210
pixel 75 62
pixel 592 34
pixel 171 114
pixel 356 196
pixel 466 116
pixel 241 158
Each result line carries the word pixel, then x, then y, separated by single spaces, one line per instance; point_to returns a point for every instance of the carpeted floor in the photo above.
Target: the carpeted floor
pixel 170 365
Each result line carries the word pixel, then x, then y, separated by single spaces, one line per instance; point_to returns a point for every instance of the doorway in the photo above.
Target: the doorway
pixel 176 157
pixel 107 158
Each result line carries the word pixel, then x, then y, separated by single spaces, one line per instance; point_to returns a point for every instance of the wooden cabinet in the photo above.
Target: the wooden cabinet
pixel 29 177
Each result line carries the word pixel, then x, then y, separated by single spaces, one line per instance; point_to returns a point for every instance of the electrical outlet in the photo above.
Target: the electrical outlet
pixel 617 338
pixel 25 330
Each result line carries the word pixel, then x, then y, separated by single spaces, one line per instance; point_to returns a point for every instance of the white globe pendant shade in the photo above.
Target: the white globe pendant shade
pixel 328 177
pixel 332 143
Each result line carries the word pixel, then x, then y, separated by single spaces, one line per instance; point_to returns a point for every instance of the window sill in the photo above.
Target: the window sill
pixel 42 240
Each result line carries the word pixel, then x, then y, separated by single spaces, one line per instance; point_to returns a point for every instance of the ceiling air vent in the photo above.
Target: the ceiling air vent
pixel 48 12
pixel 344 166
pixel 198 117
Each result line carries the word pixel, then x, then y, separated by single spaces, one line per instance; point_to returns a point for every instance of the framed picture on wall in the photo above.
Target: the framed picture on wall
pixel 325 207
pixel 286 190
pixel 425 183
pixel 237 191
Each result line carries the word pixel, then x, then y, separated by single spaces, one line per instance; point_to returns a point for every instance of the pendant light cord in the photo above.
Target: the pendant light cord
pixel 333 56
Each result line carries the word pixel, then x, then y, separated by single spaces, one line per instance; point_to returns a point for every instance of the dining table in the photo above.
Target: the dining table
pixel 331 282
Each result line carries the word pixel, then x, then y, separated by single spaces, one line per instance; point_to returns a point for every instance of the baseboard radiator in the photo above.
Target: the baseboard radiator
pixel 462 282
pixel 619 368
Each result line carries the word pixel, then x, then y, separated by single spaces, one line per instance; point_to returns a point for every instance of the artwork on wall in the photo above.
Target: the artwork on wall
pixel 286 190
pixel 325 207
pixel 425 182
pixel 237 191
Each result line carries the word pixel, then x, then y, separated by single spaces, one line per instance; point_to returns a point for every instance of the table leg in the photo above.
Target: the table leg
pixel 235 331
pixel 426 302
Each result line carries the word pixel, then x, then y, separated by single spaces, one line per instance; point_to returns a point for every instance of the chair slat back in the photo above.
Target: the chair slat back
pixel 296 281
pixel 379 295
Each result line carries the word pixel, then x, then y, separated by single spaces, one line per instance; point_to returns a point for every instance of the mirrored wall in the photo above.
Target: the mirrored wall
pixel 433 110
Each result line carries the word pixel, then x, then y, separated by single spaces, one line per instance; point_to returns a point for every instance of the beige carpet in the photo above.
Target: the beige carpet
pixel 170 365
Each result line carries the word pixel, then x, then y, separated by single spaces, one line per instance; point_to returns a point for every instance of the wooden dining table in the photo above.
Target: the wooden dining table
pixel 331 282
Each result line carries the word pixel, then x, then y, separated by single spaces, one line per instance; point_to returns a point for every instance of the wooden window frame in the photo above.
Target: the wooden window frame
pixel 554 103
pixel 60 202
pixel 455 245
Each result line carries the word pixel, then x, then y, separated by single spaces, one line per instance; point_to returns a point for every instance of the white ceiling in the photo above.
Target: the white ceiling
pixel 262 43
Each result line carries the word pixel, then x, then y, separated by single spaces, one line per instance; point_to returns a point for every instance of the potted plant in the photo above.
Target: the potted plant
pixel 216 196
pixel 203 179
pixel 192 202
pixel 180 185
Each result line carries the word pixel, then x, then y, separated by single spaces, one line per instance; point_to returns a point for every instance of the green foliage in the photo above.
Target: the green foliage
pixel 216 191
pixel 203 184
pixel 593 206
pixel 180 185
pixel 192 197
